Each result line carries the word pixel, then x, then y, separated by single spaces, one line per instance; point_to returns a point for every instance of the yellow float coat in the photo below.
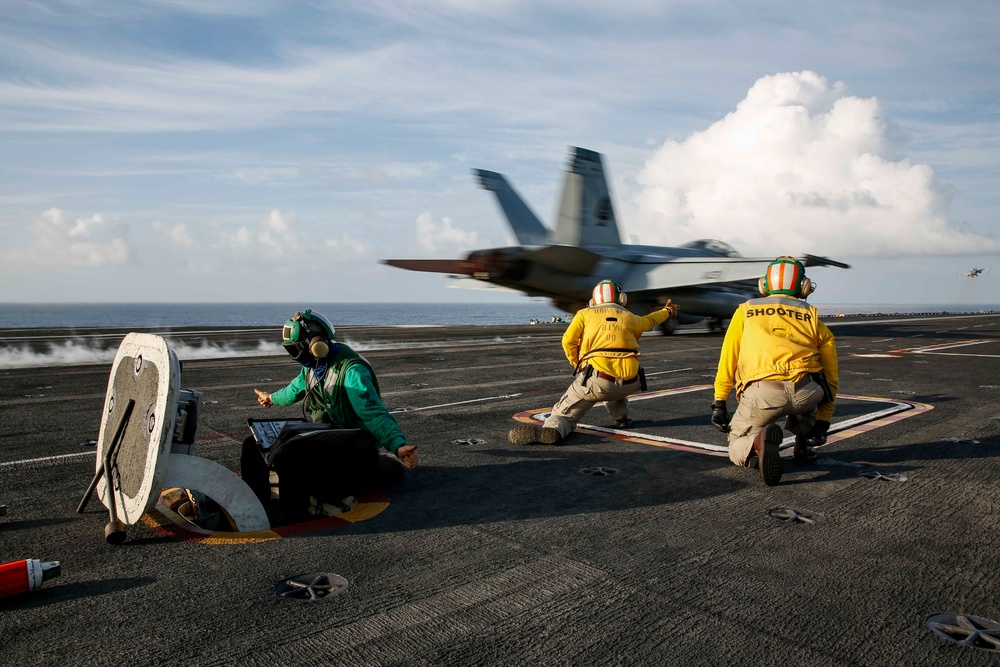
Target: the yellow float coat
pixel 607 327
pixel 776 338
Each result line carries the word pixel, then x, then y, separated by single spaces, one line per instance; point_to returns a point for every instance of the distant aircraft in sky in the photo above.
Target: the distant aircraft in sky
pixel 706 278
pixel 973 272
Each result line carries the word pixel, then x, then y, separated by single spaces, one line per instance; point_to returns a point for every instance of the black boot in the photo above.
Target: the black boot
pixel 767 444
pixel 803 454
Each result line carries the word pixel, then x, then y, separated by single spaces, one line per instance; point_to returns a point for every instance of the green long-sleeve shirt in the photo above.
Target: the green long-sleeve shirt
pixel 362 409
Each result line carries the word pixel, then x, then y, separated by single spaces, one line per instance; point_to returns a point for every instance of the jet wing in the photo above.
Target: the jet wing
pixel 691 271
pixel 457 266
pixel 494 262
pixel 815 260
pixel 686 271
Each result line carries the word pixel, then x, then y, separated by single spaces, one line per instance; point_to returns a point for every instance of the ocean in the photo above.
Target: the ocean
pixel 144 315
pixel 18 352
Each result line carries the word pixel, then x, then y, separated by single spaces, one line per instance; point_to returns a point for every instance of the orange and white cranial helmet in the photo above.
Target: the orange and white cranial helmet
pixel 786 275
pixel 608 291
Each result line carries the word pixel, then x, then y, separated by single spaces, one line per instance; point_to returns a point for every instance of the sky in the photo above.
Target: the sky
pixel 273 151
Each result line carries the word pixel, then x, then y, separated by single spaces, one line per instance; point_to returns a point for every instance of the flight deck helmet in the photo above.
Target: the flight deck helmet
pixel 307 334
pixel 608 291
pixel 786 275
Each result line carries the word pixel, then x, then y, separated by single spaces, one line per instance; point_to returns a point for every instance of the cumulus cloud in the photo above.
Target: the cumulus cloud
pixel 279 236
pixel 349 247
pixel 800 166
pixel 60 243
pixel 443 236
pixel 178 234
pixel 276 235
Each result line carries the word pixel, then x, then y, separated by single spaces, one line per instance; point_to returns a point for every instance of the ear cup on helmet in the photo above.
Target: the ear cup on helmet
pixel 622 299
pixel 318 347
pixel 806 288
pixel 762 285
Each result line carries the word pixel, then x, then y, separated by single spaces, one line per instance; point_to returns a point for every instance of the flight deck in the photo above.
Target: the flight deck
pixel 638 546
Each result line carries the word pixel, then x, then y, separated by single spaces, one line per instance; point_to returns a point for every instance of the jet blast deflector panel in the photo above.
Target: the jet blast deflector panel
pixel 145 371
pixel 138 451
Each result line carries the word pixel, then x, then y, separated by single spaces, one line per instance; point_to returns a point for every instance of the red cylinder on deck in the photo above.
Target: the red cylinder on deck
pixel 21 576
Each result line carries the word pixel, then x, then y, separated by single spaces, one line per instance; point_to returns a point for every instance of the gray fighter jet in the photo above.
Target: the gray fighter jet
pixel 707 278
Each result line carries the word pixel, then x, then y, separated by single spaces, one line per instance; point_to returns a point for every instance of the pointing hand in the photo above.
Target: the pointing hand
pixel 263 397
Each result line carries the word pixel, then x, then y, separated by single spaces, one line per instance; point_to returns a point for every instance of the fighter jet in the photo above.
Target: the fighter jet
pixel 707 278
pixel 973 272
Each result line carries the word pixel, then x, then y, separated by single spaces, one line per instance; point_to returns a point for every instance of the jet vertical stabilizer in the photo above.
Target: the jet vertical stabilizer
pixel 527 228
pixel 586 215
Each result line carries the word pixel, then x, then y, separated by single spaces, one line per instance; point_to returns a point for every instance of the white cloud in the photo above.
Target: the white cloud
pixel 275 236
pixel 59 243
pixel 799 166
pixel 347 248
pixel 178 234
pixel 438 237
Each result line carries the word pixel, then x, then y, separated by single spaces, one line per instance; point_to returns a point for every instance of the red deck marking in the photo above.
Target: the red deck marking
pixel 169 523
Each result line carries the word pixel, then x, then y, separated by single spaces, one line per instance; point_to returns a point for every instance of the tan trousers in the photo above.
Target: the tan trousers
pixel 580 397
pixel 765 402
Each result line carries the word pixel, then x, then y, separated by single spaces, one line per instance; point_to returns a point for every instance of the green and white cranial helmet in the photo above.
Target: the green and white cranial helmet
pixel 608 292
pixel 307 334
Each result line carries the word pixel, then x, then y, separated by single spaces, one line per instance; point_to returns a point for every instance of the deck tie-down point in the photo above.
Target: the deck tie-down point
pixel 468 441
pixel 313 587
pixel 789 515
pixel 883 477
pixel 967 631
pixel 598 471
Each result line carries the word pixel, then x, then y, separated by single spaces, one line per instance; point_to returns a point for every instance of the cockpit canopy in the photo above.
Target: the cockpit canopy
pixel 714 246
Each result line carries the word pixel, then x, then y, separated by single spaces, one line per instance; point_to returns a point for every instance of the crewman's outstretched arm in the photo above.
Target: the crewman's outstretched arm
pixel 370 409
pixel 293 391
pixel 658 317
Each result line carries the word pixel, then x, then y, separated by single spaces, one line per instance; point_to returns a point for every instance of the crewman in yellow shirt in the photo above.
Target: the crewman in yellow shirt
pixel 783 362
pixel 602 345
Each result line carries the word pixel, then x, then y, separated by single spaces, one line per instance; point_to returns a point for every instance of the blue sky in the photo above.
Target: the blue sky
pixel 254 150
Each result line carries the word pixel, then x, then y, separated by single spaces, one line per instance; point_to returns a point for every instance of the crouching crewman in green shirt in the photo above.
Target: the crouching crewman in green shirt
pixel 339 387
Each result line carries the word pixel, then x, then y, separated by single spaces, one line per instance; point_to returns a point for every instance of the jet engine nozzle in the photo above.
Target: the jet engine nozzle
pixel 487 264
